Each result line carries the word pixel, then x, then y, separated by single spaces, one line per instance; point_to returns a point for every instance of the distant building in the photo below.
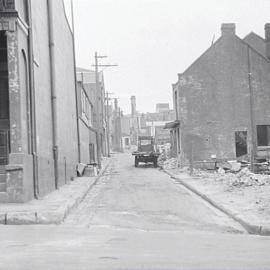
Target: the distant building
pixel 116 127
pixel 162 107
pixel 156 129
pixel 134 121
pixel 148 124
pixel 223 98
pixel 88 98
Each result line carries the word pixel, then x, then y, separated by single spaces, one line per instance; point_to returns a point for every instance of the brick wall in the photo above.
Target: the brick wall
pixel 214 99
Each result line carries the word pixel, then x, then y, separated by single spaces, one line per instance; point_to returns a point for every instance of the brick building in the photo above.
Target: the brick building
pixel 88 109
pixel 162 107
pixel 38 123
pixel 222 100
pixel 86 96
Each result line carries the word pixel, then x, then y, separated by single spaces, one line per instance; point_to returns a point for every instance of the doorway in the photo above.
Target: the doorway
pixel 4 100
pixel 240 143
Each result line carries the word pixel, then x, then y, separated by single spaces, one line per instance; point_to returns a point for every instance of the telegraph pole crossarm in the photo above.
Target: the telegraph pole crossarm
pixel 113 65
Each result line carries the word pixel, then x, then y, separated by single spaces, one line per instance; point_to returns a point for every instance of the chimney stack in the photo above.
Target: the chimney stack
pixel 133 106
pixel 179 76
pixel 267 40
pixel 228 29
pixel 116 104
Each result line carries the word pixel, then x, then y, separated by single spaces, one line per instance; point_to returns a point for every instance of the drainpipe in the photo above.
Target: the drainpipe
pixel 53 89
pixel 76 88
pixel 252 113
pixel 33 126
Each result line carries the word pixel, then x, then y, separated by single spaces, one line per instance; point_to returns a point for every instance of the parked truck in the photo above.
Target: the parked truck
pixel 147 151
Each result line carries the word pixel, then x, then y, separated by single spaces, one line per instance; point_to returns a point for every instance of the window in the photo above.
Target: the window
pixel 87 109
pixel 4 91
pixel 90 116
pixel 176 103
pixel 83 101
pixel 87 105
pixel 263 135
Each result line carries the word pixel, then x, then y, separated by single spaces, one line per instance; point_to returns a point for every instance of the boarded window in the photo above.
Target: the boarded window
pixel 263 135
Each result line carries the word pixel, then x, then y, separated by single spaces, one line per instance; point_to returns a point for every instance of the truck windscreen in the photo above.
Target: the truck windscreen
pixel 145 142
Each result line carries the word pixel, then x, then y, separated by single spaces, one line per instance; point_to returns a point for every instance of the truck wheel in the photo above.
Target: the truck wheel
pixel 136 162
pixel 155 163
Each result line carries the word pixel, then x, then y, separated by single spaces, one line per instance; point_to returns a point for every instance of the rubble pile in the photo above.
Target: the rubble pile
pixel 244 178
pixel 235 188
pixel 164 155
pixel 170 164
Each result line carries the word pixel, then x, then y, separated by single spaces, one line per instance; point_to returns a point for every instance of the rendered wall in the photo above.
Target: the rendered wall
pixel 42 86
pixel 65 91
pixel 65 96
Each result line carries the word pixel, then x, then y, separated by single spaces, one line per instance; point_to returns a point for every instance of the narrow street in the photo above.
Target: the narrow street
pixel 135 218
pixel 145 198
pixel 95 96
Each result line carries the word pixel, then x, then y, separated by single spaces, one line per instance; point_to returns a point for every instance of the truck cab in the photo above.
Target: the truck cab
pixel 147 151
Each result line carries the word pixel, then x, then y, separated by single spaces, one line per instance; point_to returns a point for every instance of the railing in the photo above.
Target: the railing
pixel 7 5
pixel 4 146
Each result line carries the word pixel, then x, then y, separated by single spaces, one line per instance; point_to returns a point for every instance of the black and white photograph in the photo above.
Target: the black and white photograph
pixel 135 134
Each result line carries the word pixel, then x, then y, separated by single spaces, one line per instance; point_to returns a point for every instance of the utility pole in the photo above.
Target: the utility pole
pixel 108 121
pixel 99 99
pixel 116 128
pixel 252 117
pixel 120 132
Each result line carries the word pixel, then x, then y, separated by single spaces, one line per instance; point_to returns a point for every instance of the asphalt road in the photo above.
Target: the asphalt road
pixel 136 218
pixel 146 199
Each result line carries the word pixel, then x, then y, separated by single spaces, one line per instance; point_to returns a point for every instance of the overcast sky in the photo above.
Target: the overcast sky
pixel 153 40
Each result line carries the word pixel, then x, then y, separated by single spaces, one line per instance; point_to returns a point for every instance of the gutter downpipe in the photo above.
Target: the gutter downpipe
pixel 252 113
pixel 53 89
pixel 33 126
pixel 98 111
pixel 76 87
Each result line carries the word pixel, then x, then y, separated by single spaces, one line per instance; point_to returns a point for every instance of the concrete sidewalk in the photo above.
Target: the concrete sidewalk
pixel 54 207
pixel 251 226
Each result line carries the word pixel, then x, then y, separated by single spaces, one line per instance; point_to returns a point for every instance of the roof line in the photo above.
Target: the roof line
pixel 197 59
pixel 255 35
pixel 245 43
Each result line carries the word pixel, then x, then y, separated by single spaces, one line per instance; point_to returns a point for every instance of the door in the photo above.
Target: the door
pixel 4 147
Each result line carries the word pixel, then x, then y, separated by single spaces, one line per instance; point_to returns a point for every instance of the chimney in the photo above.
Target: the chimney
pixel 116 104
pixel 267 40
pixel 228 29
pixel 133 106
pixel 179 76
